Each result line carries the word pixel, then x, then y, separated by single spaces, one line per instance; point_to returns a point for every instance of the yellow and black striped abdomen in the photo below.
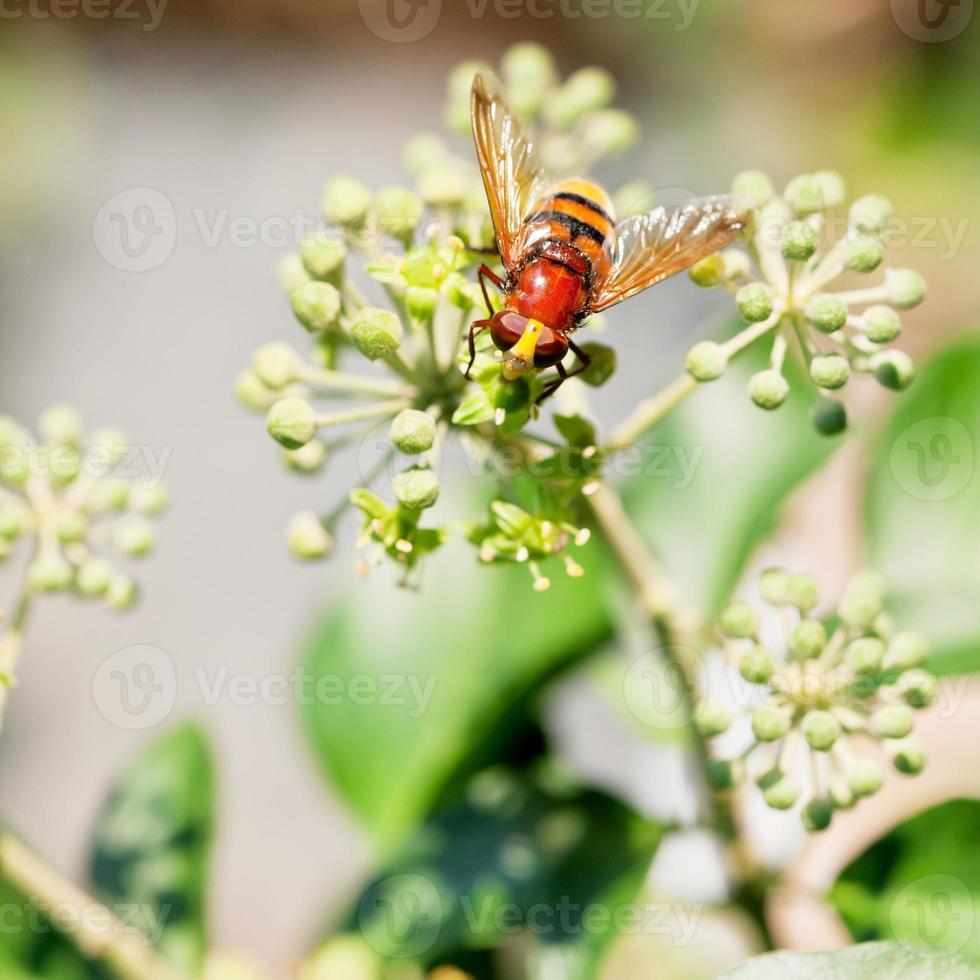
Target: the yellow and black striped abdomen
pixel 579 213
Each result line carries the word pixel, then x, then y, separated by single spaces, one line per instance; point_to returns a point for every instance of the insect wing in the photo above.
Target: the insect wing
pixel 652 246
pixel 512 179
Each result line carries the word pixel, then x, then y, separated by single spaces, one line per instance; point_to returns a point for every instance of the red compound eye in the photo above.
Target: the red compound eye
pixel 550 349
pixel 507 328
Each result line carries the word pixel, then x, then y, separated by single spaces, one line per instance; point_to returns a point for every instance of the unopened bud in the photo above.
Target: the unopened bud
pixel 316 305
pixel 739 620
pixel 893 369
pixel 399 210
pixel 753 186
pixel 712 718
pixel 134 537
pixel 907 650
pixel 416 488
pixel 864 777
pixel 817 815
pixel 769 724
pixel 827 313
pixel 50 574
pixel 908 756
pixel 413 432
pixel 808 639
pixel 275 365
pixel 821 729
pixel 93 577
pixel 292 422
pixel 307 538
pixel 323 258
pixel 756 666
pixel 768 389
pixel 892 721
pixel 799 241
pixel 906 288
pixel 376 333
pixel 864 254
pixel 881 324
pixel 60 425
pixel 754 302
pixel 871 213
pixel 345 201
pixel 706 361
pixel 779 790
pixel 829 371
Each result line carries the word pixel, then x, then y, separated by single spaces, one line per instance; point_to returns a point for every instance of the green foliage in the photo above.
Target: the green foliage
pixel 871 961
pixel 152 844
pixel 514 854
pixel 919 884
pixel 923 498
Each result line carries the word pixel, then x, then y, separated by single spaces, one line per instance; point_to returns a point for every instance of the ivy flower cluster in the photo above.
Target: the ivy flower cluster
pixel 786 281
pixel 842 689
pixel 67 500
pixel 414 251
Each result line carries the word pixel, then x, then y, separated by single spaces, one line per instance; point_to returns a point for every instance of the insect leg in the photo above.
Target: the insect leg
pixel 475 327
pixel 583 358
pixel 484 273
pixel 563 376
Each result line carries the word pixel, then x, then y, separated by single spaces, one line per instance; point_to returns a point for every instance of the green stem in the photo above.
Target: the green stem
pixel 91 926
pixel 378 410
pixel 355 384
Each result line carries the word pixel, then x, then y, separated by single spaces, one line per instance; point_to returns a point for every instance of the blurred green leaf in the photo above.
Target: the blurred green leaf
pixel 512 857
pixel 404 686
pixel 152 844
pixel 708 483
pixel 874 961
pixel 922 507
pixel 919 884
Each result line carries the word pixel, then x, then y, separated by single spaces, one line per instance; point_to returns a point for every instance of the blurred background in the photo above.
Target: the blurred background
pixel 240 110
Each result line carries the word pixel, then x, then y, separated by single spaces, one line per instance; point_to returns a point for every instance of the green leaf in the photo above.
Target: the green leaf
pixel 512 856
pixel 707 485
pixel 404 687
pixel 919 884
pixel 474 409
pixel 922 502
pixel 152 844
pixel 871 961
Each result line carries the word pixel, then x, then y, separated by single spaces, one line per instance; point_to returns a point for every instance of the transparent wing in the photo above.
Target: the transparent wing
pixel 512 179
pixel 652 246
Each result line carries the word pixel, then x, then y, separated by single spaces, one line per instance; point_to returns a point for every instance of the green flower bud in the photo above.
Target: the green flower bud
pixel 413 432
pixel 50 574
pixel 307 459
pixel 399 211
pixel 252 393
pixel 773 583
pixel 805 194
pixel 443 186
pixel 153 499
pixel 893 369
pixel 11 523
pixel 754 302
pixel 865 655
pixel 292 422
pixel 723 774
pixel 827 313
pixel 863 600
pixel 346 956
pixel 323 258
pixel 808 639
pixel 422 152
pixel 829 416
pixel 15 469
pixel 892 721
pixel 111 494
pixel 421 303
pixel 768 389
pixel 602 366
pixel 841 795
pixel 134 537
pixel 528 66
pixel 12 433
pixel 71 528
pixel 739 620
pixel 864 777
pixel 779 790
pixel 906 288
pixel 881 324
pixel 802 592
pixel 376 333
pixel 871 213
pixel 832 187
pixel 94 576
pixel 712 718
pixel 907 650
pixel 829 371
pixel 908 756
pixel 799 241
pixel 708 272
pixel 821 729
pixel 756 666
pixel 113 441
pixel 769 724
pixel 291 273
pixel 584 91
pixel 864 254
pixel 316 305
pixel 816 815
pixel 706 361
pixel 609 131
pixel 918 688
pixel 60 425
pixel 416 488
pixel 753 186
pixel 307 538
pixel 345 201
pixel 737 264
pixel 275 365
pixel 122 593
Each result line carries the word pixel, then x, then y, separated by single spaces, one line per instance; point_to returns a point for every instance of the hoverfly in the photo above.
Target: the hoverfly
pixel 563 253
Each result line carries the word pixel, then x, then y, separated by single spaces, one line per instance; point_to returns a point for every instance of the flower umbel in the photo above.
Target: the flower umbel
pixel 787 286
pixel 832 691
